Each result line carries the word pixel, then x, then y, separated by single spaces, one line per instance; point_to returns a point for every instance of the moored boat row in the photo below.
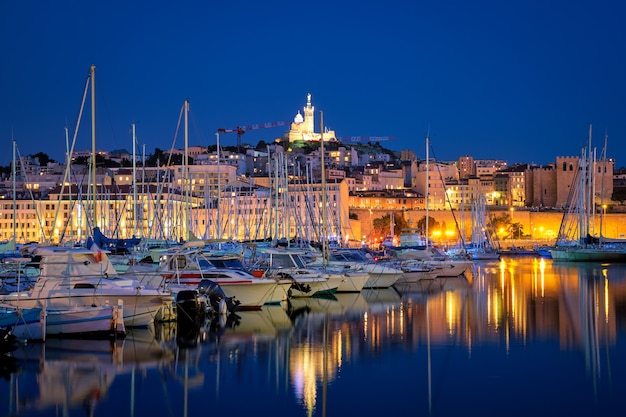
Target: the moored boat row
pixel 75 287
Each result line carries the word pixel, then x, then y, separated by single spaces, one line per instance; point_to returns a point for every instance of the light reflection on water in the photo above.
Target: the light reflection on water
pixel 520 336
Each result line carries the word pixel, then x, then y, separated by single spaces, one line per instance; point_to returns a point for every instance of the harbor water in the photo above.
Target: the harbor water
pixel 517 337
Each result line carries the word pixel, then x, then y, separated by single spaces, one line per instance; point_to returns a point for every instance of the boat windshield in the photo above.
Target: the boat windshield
pixel 350 255
pixel 234 263
pixel 282 261
pixel 297 259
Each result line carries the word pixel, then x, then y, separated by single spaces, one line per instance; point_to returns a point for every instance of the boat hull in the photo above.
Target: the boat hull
pixel 587 255
pixel 26 323
pixel 353 282
pixel 310 286
pixel 451 268
pixel 88 322
pixel 139 310
pixel 383 279
pixel 256 293
pixel 415 275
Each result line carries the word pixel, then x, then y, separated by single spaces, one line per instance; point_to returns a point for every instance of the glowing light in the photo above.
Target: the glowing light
pixel 502 271
pixel 606 295
pixel 542 270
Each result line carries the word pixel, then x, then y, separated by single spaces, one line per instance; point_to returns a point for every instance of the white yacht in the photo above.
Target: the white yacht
pixel 380 275
pixel 79 277
pixel 185 267
pixel 286 263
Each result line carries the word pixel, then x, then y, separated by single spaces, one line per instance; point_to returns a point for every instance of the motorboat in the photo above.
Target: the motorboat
pixel 106 321
pixel 306 280
pixel 187 266
pixel 26 324
pixel 73 277
pixel 442 264
pixel 381 275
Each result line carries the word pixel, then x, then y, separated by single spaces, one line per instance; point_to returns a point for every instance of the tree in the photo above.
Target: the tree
pixel 261 146
pixel 43 158
pixel 516 230
pixel 382 225
pixel 432 224
pixel 498 223
pixel 156 159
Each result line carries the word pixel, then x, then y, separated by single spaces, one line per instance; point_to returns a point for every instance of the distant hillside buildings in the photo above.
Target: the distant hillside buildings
pixel 272 190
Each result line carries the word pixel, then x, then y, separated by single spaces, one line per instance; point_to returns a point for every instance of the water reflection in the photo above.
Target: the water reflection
pixel 298 358
pixel 544 299
pixel 77 374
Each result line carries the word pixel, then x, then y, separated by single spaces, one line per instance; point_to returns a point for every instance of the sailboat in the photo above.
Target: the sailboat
pixel 417 255
pixel 482 247
pixel 576 242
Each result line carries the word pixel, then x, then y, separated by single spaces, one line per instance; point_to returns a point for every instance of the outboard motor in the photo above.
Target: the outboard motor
pixel 217 299
pixel 189 316
pixel 188 305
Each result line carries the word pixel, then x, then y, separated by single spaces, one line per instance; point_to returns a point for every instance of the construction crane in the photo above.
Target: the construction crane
pixel 240 130
pixel 365 138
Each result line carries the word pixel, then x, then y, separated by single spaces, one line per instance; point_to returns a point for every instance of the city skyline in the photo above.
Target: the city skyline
pixel 521 83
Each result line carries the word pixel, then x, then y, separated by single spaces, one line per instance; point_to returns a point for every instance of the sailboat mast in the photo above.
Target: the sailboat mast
pixel 14 173
pixel 286 199
pixel 94 208
pixel 324 203
pixel 68 159
pixel 143 187
pixel 602 172
pixel 276 191
pixel 218 233
pixel 187 223
pixel 587 190
pixel 134 184
pixel 427 187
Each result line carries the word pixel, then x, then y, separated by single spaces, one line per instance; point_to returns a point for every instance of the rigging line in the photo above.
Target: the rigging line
pixel 71 151
pixel 156 226
pixel 602 172
pixel 196 128
pixel 159 194
pixel 314 218
pixel 307 221
pixel 492 236
pixel 116 230
pixel 102 98
pixel 311 231
pixel 71 211
pixel 299 222
pixel 566 221
pixel 30 191
pixel 456 223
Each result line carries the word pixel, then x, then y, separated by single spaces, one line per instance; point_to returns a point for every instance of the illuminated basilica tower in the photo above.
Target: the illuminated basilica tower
pixel 303 128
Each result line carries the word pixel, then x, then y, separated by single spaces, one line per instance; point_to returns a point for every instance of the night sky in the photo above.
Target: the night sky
pixel 520 81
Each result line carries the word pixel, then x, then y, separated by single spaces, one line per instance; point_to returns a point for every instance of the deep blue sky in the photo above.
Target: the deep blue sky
pixel 519 81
